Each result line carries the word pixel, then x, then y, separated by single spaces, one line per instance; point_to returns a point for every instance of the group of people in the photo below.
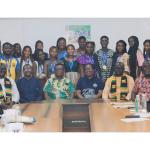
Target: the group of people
pixel 67 72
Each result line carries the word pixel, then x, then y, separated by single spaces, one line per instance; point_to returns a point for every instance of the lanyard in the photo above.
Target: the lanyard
pixel 27 61
pixel 104 58
pixel 41 69
pixel 8 65
pixel 52 65
pixel 70 63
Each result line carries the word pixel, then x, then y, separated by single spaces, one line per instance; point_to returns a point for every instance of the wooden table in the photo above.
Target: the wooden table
pixel 103 118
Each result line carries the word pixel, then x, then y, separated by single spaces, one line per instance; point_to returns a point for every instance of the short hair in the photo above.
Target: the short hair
pixel 90 65
pixel 60 64
pixel 52 47
pixel 59 39
pixel 82 37
pixel 120 63
pixel 26 65
pixel 71 46
pixel 7 43
pixel 104 36
pixel 146 41
pixel 90 42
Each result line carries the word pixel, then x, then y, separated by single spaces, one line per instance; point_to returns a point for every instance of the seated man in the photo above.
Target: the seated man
pixel 142 85
pixel 30 88
pixel 57 86
pixel 119 86
pixel 8 90
pixel 89 87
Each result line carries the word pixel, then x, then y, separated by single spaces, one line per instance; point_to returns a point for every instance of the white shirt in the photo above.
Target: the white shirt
pixel 15 93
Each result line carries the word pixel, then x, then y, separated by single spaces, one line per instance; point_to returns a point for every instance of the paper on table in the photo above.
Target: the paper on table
pixel 123 106
pixel 14 127
pixel 122 103
pixel 128 120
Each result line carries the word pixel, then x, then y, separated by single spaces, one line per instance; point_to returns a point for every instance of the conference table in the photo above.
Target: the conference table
pixel 103 117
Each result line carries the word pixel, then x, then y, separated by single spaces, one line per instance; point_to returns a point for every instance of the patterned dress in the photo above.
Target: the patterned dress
pixel 142 86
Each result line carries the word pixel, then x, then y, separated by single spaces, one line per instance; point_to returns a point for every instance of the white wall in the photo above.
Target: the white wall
pixel 27 31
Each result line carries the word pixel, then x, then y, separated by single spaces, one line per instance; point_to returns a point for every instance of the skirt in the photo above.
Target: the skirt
pixel 73 76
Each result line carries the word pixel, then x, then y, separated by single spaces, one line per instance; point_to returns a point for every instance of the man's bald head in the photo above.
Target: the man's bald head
pixel 119 69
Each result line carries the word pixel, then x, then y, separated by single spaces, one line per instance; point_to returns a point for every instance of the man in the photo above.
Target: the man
pixel 119 86
pixel 58 86
pixel 8 90
pixel 142 84
pixel 89 87
pixel 12 64
pixel 17 51
pixel 103 59
pixel 82 44
pixel 30 88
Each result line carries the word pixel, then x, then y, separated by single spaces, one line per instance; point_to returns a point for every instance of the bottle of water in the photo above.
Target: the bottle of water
pixel 137 103
pixel 144 102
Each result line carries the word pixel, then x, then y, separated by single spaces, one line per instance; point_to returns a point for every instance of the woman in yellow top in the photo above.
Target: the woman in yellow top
pixel 121 56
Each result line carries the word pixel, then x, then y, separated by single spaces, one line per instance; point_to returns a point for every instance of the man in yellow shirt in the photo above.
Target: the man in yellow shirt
pixel 12 64
pixel 119 86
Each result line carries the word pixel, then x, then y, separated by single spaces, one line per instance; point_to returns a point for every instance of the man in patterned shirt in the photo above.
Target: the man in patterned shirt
pixel 57 86
pixel 103 59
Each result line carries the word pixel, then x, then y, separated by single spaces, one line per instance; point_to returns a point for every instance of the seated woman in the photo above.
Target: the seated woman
pixel 71 65
pixel 49 66
pixel 86 58
pixel 89 87
pixel 121 56
pixel 57 86
pixel 119 86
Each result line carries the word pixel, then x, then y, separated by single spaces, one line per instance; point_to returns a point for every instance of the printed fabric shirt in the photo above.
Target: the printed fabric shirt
pixel 103 62
pixel 62 89
pixel 142 86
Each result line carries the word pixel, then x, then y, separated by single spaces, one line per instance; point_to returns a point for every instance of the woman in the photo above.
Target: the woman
pixel 38 67
pixel 136 57
pixel 49 67
pixel 87 58
pixel 121 56
pixel 146 51
pixel 61 46
pixel 71 65
pixel 39 46
pixel 26 58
